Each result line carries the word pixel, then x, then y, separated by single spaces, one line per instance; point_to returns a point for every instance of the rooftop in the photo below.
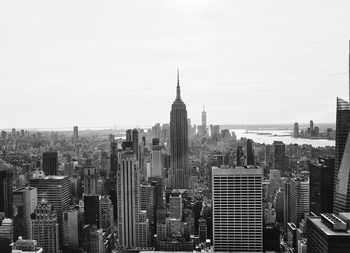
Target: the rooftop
pixel 317 222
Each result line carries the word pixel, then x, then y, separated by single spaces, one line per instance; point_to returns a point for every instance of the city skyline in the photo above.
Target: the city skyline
pixel 85 71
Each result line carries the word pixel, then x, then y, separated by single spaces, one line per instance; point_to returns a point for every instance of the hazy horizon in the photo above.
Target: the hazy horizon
pixel 109 63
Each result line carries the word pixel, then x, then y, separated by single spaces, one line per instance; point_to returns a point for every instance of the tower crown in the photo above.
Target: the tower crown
pixel 178 94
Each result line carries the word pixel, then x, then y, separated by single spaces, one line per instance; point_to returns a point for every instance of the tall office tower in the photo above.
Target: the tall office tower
pixel 135 143
pixel 279 153
pixel 296 130
pixel 45 227
pixel 175 206
pixel 128 190
pixel 240 155
pixel 56 189
pixel 237 209
pixel 90 178
pixel 311 126
pixel 29 246
pixel 299 194
pixel 75 134
pixel 179 174
pixel 327 233
pixel 156 159
pixel 147 200
pixel 128 137
pixel 50 163
pixel 72 227
pixel 342 159
pixel 107 218
pixel 287 202
pixel 321 185
pixel 6 234
pixel 6 188
pixel 13 134
pixel 24 203
pixel 250 152
pixel 96 240
pixel 204 122
pixel 114 158
pixel 92 210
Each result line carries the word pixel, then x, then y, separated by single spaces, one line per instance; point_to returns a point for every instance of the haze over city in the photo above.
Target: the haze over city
pixel 112 63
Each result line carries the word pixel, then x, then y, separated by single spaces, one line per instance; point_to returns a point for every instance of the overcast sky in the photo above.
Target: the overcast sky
pixel 106 63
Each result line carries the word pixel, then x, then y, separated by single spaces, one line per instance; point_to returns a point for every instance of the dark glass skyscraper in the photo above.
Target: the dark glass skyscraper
pixel 50 163
pixel 250 152
pixel 6 180
pixel 178 142
pixel 321 185
pixel 342 158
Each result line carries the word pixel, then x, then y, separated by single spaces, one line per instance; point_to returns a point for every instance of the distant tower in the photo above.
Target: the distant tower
pixel 75 133
pixel 128 191
pixel 240 155
pixel 45 227
pixel 50 163
pixel 250 152
pixel 296 130
pixel 311 125
pixel 204 121
pixel 179 175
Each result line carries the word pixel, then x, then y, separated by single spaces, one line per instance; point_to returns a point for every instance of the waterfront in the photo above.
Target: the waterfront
pixel 268 136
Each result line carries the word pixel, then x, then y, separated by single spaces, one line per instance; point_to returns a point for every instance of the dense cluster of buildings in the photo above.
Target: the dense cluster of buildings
pixel 174 187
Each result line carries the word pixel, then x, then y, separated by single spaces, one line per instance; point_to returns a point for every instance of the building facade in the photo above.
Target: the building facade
pixel 237 209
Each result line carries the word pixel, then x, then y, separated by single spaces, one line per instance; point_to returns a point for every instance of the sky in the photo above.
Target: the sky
pixel 113 63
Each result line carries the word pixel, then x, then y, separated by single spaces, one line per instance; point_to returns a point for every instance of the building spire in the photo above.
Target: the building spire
pixel 178 95
pixel 203 108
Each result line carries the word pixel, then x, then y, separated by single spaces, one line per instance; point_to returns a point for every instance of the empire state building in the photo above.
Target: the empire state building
pixel 179 173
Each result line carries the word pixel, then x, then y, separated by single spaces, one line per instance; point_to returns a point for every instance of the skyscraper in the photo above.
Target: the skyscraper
pixel 204 121
pixel 24 203
pixel 237 209
pixel 75 133
pixel 327 233
pixel 296 130
pixel 50 163
pixel 56 188
pixel 179 175
pixel 6 198
pixel 45 227
pixel 299 194
pixel 135 143
pixel 128 187
pixel 156 159
pixel 72 226
pixel 321 185
pixel 240 155
pixel 92 210
pixel 342 158
pixel 250 152
pixel 90 178
pixel 279 153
